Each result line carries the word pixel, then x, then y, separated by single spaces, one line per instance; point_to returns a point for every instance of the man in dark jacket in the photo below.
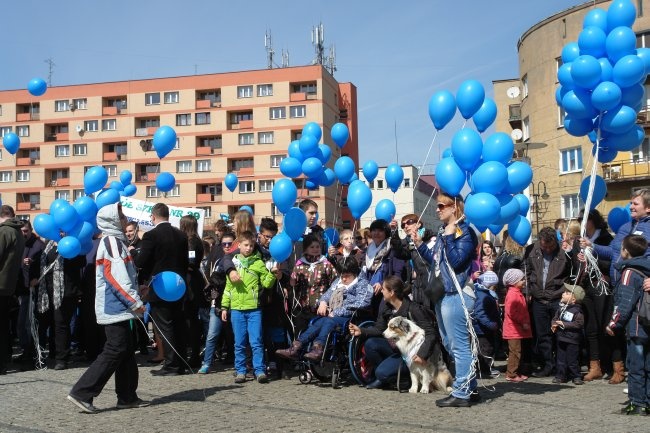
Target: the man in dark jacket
pixel 165 248
pixel 12 244
pixel 547 268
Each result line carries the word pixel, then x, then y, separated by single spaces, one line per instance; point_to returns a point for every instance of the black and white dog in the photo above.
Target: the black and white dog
pixel 408 337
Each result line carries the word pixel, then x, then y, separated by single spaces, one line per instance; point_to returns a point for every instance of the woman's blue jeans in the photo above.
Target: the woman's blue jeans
pixel 214 330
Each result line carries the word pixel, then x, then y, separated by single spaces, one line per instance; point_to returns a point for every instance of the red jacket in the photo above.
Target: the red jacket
pixel 516 323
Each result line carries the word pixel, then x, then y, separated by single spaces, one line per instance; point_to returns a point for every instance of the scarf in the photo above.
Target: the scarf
pixel 375 255
pixel 58 280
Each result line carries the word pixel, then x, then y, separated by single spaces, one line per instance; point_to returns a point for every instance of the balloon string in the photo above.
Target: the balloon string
pixel 592 182
pixel 426 158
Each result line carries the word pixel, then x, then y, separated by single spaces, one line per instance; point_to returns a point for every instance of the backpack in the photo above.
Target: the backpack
pixel 643 311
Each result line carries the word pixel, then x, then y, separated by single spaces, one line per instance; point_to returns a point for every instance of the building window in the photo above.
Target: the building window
pixel 238 164
pixel 244 91
pixel 407 182
pixel 22 175
pixel 558 64
pixel 62 150
pixel 78 193
pixel 202 118
pixel 571 204
pixel 5 176
pixel 266 185
pixel 109 125
pixel 203 165
pixel 642 153
pixel 371 185
pixel 524 86
pixel 80 104
pixel 561 114
pixel 175 192
pixel 526 128
pixel 111 170
pixel 380 184
pixel 298 111
pixel 235 118
pixel 152 99
pixel 265 90
pixel 245 139
pixel 22 130
pixel 171 97
pixel 183 166
pixel 247 186
pixel 91 125
pixel 150 123
pixel 571 160
pixel 62 105
pixel 152 192
pixel 80 149
pixel 265 137
pixel 212 142
pixel 276 160
pixel 309 88
pixel 183 119
pixel 4 130
pixel 63 194
pixel 277 113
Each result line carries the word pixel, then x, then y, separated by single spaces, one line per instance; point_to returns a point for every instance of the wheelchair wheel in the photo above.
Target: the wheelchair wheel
pixel 305 377
pixel 336 378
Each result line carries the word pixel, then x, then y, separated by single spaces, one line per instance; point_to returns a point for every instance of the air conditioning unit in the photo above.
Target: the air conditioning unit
pixel 72 106
pixel 79 128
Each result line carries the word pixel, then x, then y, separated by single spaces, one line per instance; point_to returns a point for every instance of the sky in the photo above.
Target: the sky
pixel 397 54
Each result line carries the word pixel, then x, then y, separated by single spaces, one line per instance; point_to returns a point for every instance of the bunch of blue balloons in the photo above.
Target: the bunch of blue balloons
pixel 602 81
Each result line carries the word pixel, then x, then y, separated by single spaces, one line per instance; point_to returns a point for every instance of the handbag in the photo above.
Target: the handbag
pixel 435 288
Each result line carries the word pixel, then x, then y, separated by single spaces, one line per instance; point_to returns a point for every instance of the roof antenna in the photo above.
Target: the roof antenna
pixel 51 66
pixel 268 44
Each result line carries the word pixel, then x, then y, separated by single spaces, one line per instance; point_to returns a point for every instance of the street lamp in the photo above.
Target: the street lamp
pixel 536 194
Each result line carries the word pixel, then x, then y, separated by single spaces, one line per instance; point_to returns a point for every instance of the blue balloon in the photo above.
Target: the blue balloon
pixel 592 41
pixel 126 177
pixel 577 103
pixel 56 204
pixel 442 108
pixel 450 177
pixel 117 185
pixel 606 153
pixel 617 217
pixel 482 209
pixel 628 141
pixel 385 210
pixel 284 194
pixel 308 145
pixel 332 236
pixel 644 54
pixel 485 115
pixel 620 13
pixel 65 217
pixel 311 184
pixel 106 197
pixel 618 120
pixel 600 191
pixel 596 18
pixel 313 129
pixel 628 71
pixel 294 151
pixel 524 204
pixel 559 94
pixel 86 208
pixel 469 98
pixel 231 181
pixel 446 153
pixel 620 42
pixel 294 223
pixel 281 247
pixel 69 247
pixel 327 177
pixel 45 226
pixel 95 179
pixel 577 127
pixel 354 177
pixel 564 76
pixel 394 176
pixel 344 169
pixel 370 170
pixel 467 147
pixel 37 86
pixel 633 95
pixel 606 69
pixel 520 230
pixel 11 142
pixel 247 208
pixel 312 167
pixel 490 177
pixel 340 134
pixel 86 247
pixel 359 198
pixel 495 228
pixel 586 71
pixel 130 190
pixel 570 52
pixel 324 153
pixel 291 167
pixel 519 177
pixel 165 182
pixel 168 286
pixel 498 147
pixel 606 96
pixel 509 208
pixel 83 231
pixel 164 141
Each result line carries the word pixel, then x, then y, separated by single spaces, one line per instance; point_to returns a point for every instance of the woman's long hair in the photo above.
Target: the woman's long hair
pixel 190 226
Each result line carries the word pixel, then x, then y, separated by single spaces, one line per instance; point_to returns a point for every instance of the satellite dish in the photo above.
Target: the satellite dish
pixel 516 134
pixel 79 128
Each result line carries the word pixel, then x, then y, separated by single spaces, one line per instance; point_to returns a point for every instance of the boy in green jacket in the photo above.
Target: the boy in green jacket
pixel 242 299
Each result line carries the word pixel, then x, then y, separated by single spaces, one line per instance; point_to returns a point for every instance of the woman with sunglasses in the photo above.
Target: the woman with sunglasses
pixel 451 259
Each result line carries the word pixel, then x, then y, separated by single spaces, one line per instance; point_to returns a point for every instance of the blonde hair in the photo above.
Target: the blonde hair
pixel 512 247
pixel 572 231
pixel 346 232
pixel 243 221
pixel 456 201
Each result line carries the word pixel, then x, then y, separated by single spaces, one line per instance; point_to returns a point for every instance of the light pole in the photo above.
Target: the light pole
pixel 536 194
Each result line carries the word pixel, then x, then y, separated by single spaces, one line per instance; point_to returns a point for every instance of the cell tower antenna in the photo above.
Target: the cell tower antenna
pixel 318 41
pixel 331 60
pixel 268 44
pixel 51 65
pixel 285 58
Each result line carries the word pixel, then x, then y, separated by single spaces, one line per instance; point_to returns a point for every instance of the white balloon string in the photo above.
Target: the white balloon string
pixel 592 182
pixel 426 158
pixel 39 358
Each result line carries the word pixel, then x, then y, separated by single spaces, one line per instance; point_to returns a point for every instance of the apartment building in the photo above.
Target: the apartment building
pixel 239 122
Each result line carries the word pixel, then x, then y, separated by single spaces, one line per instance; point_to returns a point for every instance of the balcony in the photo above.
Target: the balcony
pixel 297 96
pixel 110 156
pixel 624 171
pixel 110 111
pixel 207 103
pixel 514 115
pixel 203 151
pixel 245 171
pixel 208 198
pixel 22 162
pixel 26 117
pixel 28 206
pixel 59 136
pixel 64 181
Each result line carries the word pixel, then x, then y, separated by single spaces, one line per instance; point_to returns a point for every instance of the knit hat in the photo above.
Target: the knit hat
pixel 578 291
pixel 512 276
pixel 488 279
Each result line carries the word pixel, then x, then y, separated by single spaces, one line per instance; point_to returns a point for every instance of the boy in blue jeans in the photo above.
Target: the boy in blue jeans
pixel 242 299
pixel 634 268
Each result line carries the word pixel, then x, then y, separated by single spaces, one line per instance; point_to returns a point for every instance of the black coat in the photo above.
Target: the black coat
pixel 33 248
pixel 504 262
pixel 163 248
pixel 559 271
pixel 404 249
pixel 574 322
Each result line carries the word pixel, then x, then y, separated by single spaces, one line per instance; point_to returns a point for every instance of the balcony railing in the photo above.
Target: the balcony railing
pixel 63 181
pixel 514 113
pixel 58 136
pixel 25 117
pixel 110 111
pixel 618 171
pixel 208 198
pixel 28 206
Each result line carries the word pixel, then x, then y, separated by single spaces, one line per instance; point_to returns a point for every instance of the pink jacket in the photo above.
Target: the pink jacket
pixel 516 324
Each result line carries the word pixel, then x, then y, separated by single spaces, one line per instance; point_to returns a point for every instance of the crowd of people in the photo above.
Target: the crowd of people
pixel 567 300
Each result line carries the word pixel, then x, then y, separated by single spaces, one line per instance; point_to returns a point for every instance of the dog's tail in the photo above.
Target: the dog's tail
pixel 443 380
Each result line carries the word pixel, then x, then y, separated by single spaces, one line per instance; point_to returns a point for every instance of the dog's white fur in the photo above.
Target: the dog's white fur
pixel 405 333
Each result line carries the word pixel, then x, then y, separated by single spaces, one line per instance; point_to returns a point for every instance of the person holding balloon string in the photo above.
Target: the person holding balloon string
pixel 347 248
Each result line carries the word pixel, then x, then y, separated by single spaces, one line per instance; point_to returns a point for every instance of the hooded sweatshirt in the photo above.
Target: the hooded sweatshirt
pixel 116 295
pixel 627 294
pixel 12 245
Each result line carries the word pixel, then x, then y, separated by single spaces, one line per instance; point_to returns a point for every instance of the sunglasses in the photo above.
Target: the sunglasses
pixel 268 237
pixel 359 238
pixel 441 206
pixel 408 223
pixel 226 244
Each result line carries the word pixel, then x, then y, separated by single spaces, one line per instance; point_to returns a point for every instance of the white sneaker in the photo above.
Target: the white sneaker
pixel 624 390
